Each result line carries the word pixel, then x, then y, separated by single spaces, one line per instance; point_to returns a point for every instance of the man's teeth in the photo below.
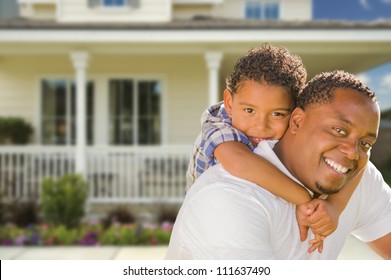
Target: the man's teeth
pixel 337 167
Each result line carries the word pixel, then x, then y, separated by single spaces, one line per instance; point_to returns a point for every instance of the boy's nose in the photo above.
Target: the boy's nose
pixel 263 123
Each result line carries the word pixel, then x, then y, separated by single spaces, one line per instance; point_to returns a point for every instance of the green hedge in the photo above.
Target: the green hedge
pixel 14 130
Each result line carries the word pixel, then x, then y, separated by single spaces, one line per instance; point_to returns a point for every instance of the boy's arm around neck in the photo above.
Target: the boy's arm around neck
pixel 241 162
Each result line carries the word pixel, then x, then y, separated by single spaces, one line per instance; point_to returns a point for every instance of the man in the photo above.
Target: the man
pixel 326 146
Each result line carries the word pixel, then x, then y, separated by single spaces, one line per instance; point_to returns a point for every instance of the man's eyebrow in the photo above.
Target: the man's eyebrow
pixel 349 123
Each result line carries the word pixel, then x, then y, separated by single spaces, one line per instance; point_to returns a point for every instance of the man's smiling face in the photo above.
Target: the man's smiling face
pixel 332 141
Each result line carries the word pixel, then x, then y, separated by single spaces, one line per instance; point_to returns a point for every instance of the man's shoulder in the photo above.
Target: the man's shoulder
pixel 371 174
pixel 372 182
pixel 217 182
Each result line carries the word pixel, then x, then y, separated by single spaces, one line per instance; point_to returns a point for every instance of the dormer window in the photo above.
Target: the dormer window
pixel 262 9
pixel 113 3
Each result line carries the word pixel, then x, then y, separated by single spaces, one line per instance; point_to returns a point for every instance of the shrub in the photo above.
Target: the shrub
pixel 2 209
pixel 24 213
pixel 86 235
pixel 14 130
pixel 120 214
pixel 63 200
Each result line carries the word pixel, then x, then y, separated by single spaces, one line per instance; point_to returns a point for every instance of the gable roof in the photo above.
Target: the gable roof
pixel 200 23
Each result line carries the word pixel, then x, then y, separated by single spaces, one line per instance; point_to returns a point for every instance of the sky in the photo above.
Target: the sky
pixel 379 78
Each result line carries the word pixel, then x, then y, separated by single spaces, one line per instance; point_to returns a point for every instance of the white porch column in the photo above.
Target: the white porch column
pixel 213 61
pixel 80 63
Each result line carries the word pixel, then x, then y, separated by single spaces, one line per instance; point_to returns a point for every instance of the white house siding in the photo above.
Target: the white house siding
pixel 289 9
pixel 38 11
pixel 227 9
pixel 190 11
pixel 148 11
pixel 18 83
pixel 230 9
pixel 156 11
pixel 189 98
pixel 296 10
pixel 184 79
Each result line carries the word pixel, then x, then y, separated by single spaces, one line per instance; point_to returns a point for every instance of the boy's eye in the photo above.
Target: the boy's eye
pixel 249 110
pixel 277 114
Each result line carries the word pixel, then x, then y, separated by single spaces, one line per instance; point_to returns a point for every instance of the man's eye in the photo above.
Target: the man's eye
pixel 366 145
pixel 340 131
pixel 277 114
pixel 249 110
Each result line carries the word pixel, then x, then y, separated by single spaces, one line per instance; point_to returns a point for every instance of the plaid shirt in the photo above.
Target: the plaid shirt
pixel 216 129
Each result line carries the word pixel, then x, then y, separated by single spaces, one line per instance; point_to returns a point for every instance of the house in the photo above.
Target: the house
pixel 115 88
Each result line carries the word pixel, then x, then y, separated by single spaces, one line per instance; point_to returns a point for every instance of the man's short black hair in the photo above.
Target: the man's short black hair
pixel 320 89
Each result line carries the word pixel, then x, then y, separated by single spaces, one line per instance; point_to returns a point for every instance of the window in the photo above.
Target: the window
pixel 135 112
pixel 262 9
pixel 113 3
pixel 58 119
pixel 271 11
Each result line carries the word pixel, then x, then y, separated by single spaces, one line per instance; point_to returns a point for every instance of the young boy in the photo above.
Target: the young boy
pixel 259 97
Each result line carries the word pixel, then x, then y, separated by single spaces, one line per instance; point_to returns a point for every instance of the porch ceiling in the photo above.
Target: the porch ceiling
pixel 351 48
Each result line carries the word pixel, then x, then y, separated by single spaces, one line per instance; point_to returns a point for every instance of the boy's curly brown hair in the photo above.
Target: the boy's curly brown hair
pixel 320 89
pixel 270 64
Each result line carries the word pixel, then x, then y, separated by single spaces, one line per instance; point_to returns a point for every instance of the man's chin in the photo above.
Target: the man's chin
pixel 322 189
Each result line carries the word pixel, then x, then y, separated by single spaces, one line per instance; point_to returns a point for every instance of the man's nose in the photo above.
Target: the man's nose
pixel 351 149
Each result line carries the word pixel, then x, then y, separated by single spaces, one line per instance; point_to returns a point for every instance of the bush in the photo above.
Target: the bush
pixel 63 200
pixel 120 215
pixel 2 209
pixel 86 235
pixel 14 130
pixel 24 213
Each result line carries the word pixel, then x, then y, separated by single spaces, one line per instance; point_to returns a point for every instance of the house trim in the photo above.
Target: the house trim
pixel 191 36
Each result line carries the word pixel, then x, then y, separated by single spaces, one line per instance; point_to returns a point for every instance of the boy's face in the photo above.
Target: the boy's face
pixel 259 110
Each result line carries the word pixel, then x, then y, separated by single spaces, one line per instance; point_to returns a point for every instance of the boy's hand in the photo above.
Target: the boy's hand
pixel 316 243
pixel 324 219
pixel 320 217
pixel 302 213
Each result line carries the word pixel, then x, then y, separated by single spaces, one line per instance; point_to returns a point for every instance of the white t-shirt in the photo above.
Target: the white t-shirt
pixel 225 217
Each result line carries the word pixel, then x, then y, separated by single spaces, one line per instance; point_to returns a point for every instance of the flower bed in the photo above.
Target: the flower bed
pixel 86 235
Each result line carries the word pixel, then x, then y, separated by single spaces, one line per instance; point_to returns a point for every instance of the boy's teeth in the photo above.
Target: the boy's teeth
pixel 337 167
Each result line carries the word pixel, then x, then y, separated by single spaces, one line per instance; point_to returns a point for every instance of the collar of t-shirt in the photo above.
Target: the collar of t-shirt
pixel 265 150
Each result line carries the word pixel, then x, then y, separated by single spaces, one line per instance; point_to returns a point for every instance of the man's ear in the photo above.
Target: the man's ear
pixel 228 101
pixel 297 118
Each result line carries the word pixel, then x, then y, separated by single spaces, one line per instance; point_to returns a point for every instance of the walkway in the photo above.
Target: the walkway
pixel 354 250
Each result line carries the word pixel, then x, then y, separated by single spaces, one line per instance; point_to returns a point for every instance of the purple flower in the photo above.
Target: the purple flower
pixel 35 238
pixel 7 242
pixel 20 240
pixel 167 226
pixel 91 238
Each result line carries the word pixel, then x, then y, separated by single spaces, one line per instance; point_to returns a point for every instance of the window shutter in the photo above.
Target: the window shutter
pixel 133 3
pixel 93 3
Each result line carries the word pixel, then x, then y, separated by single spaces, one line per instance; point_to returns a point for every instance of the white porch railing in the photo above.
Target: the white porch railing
pixel 114 174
